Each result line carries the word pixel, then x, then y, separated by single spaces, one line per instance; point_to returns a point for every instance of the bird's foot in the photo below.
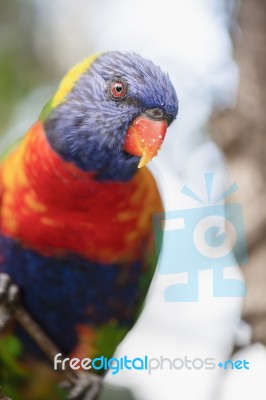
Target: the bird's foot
pixel 9 299
pixel 87 387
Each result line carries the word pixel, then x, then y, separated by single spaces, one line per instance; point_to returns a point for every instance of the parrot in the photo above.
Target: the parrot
pixel 76 210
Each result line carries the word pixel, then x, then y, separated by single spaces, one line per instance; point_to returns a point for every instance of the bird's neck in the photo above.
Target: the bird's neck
pixel 46 174
pixel 46 170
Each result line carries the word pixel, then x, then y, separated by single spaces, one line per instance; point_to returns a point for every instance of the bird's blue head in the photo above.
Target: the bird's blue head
pixel 114 117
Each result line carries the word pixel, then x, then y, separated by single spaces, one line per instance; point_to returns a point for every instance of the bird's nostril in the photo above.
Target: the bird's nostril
pixel 158 113
pixel 155 113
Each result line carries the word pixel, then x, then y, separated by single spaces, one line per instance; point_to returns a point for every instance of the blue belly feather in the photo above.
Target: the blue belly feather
pixel 63 293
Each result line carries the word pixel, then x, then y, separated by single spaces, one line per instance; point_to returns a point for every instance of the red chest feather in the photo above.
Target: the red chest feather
pixel 53 207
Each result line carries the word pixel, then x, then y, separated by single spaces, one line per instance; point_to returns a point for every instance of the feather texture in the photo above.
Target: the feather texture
pixel 76 213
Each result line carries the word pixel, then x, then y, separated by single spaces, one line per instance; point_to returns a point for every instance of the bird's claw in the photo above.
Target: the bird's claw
pixel 87 387
pixel 9 299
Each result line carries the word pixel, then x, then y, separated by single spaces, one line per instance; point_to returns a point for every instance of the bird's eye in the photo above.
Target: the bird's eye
pixel 118 89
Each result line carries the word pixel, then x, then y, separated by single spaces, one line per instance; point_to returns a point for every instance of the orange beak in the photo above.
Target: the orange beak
pixel 144 138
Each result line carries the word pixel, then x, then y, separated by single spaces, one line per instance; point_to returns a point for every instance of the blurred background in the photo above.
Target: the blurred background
pixel 215 52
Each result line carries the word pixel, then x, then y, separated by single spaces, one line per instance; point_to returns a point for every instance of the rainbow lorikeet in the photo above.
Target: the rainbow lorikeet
pixel 76 208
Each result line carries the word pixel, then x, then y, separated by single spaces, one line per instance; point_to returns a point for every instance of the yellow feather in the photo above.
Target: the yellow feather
pixel 71 78
pixel 33 203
